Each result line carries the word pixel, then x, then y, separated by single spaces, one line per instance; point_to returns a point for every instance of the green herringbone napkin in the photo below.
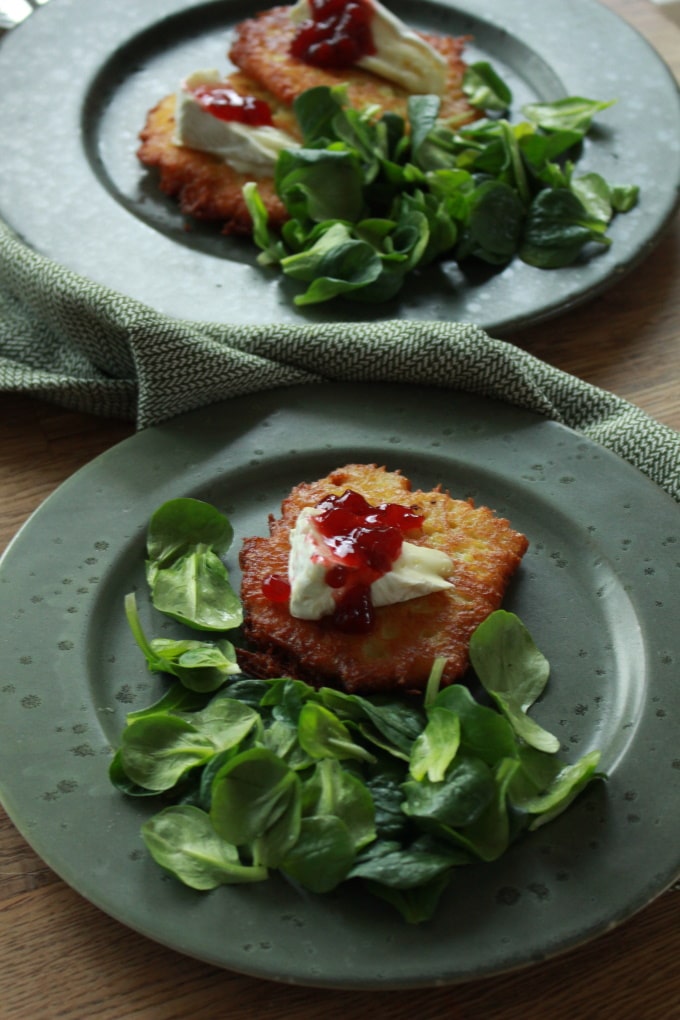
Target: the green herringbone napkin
pixel 66 339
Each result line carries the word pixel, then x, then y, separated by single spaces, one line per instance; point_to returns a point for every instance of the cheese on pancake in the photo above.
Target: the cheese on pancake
pixel 206 187
pixel 398 653
pixel 261 48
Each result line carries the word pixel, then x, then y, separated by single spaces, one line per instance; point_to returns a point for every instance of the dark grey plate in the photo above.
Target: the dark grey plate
pixel 599 589
pixel 78 77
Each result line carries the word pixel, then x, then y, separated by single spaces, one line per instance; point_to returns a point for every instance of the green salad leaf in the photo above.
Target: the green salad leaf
pixel 372 199
pixel 256 801
pixel 485 88
pixel 183 840
pixel 573 113
pixel 322 855
pixel 514 672
pixel 333 790
pixel 200 665
pixel 557 227
pixel 544 787
pixel 436 746
pixel 159 748
pixel 189 582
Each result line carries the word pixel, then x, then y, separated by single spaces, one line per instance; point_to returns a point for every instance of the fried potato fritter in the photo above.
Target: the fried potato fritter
pixel 206 187
pixel 261 49
pixel 398 653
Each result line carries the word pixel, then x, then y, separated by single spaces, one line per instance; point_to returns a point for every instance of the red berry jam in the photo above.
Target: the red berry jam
pixel 366 540
pixel 337 34
pixel 276 588
pixel 354 612
pixel 225 103
pixel 363 541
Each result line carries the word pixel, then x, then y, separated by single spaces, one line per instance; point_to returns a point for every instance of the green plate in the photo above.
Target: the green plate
pixel 599 589
pixel 72 187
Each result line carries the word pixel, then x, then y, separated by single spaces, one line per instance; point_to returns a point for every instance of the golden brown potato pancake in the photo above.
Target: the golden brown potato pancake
pixel 205 186
pixel 261 49
pixel 209 189
pixel 399 652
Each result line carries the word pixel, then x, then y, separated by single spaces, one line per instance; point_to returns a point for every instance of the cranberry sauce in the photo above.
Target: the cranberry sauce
pixel 276 588
pixel 366 539
pixel 337 34
pixel 363 541
pixel 225 103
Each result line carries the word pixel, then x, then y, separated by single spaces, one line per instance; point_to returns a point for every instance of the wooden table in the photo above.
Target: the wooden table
pixel 61 957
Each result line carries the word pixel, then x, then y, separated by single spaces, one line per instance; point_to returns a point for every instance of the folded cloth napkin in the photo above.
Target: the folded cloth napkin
pixel 78 344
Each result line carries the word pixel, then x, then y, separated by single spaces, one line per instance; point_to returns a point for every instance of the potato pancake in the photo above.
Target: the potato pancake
pixel 206 187
pixel 261 49
pixel 398 653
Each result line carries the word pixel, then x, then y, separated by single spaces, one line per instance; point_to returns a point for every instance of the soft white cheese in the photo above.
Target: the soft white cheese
pixel 417 571
pixel 310 596
pixel 401 56
pixel 249 150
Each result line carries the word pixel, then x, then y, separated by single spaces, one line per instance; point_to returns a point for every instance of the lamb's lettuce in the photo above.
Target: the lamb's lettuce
pixel 514 672
pixel 182 839
pixel 372 199
pixel 189 581
pixel 485 88
pixel 329 787
pixel 200 665
pixel 573 113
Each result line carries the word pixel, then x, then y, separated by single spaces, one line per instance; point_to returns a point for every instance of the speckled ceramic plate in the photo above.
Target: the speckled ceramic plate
pixel 78 77
pixel 599 589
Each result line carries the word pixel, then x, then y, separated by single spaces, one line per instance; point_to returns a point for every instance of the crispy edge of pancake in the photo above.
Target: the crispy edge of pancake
pixel 261 49
pixel 398 654
pixel 205 186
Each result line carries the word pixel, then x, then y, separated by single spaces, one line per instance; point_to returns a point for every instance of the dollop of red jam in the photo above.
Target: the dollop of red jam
pixel 363 541
pixel 225 103
pixel 276 588
pixel 336 35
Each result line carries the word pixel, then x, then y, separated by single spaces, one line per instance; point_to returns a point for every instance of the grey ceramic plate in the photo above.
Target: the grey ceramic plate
pixel 78 77
pixel 599 589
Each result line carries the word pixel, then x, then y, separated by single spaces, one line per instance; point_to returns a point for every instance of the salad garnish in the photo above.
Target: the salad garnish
pixel 372 200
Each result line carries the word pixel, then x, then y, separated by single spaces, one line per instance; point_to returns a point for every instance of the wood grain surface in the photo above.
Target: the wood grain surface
pixel 60 957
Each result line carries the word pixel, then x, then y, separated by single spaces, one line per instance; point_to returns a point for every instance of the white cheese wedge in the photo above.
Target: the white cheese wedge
pixel 249 150
pixel 417 571
pixel 401 56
